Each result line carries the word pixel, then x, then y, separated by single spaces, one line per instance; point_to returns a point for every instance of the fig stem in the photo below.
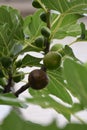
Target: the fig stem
pixel 7 87
pixel 22 89
pixel 43 68
pixel 47 40
pixel 48 19
pixel 42 5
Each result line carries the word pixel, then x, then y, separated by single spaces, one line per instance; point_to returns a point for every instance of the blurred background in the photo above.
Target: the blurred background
pixel 24 6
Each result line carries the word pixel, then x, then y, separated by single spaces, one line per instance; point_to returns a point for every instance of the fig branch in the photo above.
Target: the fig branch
pixel 47 40
pixel 22 89
pixel 7 87
pixel 42 5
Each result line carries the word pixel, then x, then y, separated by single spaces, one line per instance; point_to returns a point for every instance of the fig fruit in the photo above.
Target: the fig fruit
pixel 52 60
pixel 39 42
pixel 18 77
pixel 45 31
pixel 36 4
pixel 43 17
pixel 38 79
pixel 56 47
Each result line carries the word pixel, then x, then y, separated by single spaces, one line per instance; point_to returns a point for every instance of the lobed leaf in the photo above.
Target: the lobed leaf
pixel 75 75
pixel 13 119
pixel 66 6
pixel 34 24
pixel 69 52
pixel 10 99
pixel 11 31
pixel 68 26
pixel 45 101
pixel 56 86
pixel 29 60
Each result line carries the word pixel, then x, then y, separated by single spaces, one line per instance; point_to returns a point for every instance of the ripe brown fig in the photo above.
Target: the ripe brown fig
pixel 38 79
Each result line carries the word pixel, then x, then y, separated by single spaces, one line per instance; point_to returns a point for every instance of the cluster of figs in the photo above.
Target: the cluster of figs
pixel 38 78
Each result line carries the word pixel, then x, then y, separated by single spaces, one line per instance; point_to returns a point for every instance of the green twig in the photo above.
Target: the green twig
pixel 76 42
pixel 42 5
pixel 55 20
pixel 22 89
pixel 61 17
pixel 47 40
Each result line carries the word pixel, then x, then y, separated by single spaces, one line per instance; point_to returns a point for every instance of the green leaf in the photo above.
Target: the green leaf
pixel 42 92
pixel 45 101
pixel 29 60
pixel 82 25
pixel 10 99
pixel 30 47
pixel 3 35
pixel 83 35
pixel 56 86
pixel 17 21
pixel 42 98
pixel 35 25
pixel 69 52
pixel 27 21
pixel 5 17
pixel 76 107
pixel 13 118
pixel 66 6
pixel 75 75
pixel 67 27
pixel 72 30
pixel 66 22
pixel 11 31
pixel 76 127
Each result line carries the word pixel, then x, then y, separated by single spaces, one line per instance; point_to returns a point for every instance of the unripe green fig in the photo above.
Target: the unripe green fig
pixel 39 42
pixel 36 4
pixel 18 77
pixel 45 31
pixel 56 47
pixel 43 17
pixel 38 79
pixel 52 60
pixel 5 61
